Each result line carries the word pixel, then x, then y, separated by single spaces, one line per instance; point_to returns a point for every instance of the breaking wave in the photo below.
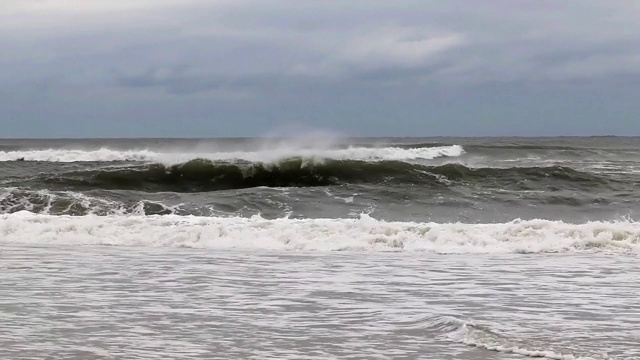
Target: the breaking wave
pixel 359 234
pixel 264 155
pixel 204 175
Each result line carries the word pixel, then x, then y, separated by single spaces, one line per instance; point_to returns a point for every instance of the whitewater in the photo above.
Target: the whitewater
pixel 264 155
pixel 361 234
pixel 387 248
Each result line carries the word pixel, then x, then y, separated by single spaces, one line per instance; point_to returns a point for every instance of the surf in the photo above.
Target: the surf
pixel 269 154
pixel 363 233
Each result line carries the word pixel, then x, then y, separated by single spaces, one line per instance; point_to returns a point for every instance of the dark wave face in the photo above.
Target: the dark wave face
pixel 204 176
pixel 470 180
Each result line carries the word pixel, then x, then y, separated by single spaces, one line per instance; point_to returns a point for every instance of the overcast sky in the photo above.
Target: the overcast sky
pixel 214 68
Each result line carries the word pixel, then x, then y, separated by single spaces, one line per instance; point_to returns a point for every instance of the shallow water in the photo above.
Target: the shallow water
pixel 79 302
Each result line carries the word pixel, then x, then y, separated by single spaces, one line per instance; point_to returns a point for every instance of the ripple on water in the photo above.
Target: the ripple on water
pixel 113 302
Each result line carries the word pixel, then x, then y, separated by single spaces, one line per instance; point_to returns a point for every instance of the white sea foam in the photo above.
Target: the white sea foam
pixel 360 234
pixel 265 155
pixel 471 334
pixel 483 338
pixel 62 155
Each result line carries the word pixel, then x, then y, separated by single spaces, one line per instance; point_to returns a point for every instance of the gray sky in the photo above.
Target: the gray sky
pixel 209 68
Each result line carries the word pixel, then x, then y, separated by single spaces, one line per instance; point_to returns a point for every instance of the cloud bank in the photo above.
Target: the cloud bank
pixel 235 68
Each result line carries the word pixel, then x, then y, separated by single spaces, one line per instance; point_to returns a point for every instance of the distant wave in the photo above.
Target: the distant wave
pixel 264 155
pixel 204 175
pixel 361 234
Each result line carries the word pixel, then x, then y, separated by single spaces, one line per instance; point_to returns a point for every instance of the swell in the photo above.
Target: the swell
pixel 204 175
pixel 565 173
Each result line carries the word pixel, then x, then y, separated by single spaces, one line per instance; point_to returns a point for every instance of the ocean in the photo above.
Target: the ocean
pixel 320 247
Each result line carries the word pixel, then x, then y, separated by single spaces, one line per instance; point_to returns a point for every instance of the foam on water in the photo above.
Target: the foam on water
pixel 361 234
pixel 469 333
pixel 266 155
pixel 48 202
pixel 71 155
pixel 480 337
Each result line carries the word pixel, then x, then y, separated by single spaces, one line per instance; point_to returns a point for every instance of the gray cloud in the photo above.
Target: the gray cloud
pixel 318 62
